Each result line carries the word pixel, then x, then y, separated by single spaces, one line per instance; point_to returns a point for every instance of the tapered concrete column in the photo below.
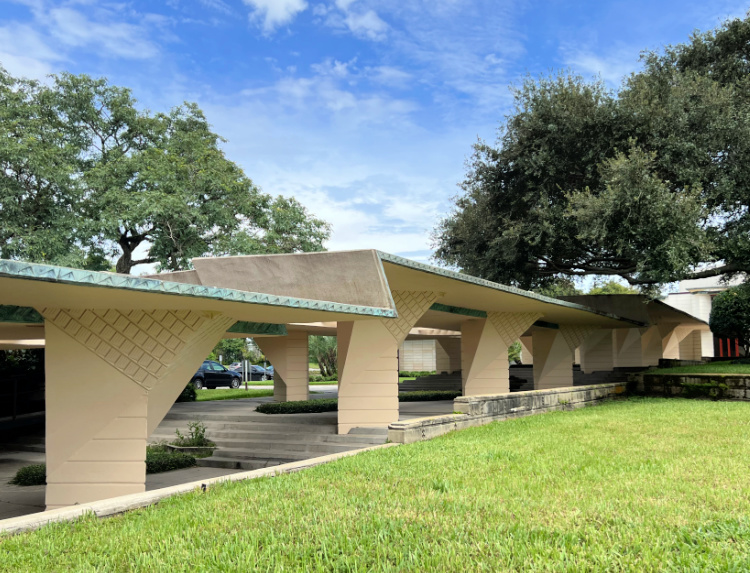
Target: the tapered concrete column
pixel 597 351
pixel 553 355
pixel 484 350
pixel 291 365
pixel 111 377
pixel 651 346
pixel 627 347
pixel 690 346
pixel 673 342
pixel 527 350
pixel 368 362
pixel 447 354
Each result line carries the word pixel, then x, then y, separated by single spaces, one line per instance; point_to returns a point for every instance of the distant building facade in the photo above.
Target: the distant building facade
pixel 695 297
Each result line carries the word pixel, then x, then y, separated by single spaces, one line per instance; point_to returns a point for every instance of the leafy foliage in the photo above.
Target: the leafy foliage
pixel 730 315
pixel 159 459
pixel 324 351
pixel 195 438
pixel 612 287
pixel 647 183
pixel 35 474
pixel 188 394
pixel 87 175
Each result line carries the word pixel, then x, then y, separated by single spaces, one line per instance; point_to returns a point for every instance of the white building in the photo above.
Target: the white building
pixel 694 297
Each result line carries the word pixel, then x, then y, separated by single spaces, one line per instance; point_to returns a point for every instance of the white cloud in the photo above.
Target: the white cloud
pixel 274 13
pixel 74 29
pixel 613 66
pixel 354 17
pixel 24 53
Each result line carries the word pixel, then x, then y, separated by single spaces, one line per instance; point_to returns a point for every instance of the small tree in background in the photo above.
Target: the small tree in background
pixel 612 287
pixel 730 315
pixel 323 350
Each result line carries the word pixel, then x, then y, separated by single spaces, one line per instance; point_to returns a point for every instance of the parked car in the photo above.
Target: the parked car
pixel 235 365
pixel 256 372
pixel 212 374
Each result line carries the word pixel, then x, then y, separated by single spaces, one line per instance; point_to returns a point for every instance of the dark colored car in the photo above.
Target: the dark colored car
pixel 256 372
pixel 212 374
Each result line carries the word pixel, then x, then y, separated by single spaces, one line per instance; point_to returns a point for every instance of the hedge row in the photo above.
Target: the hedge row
pixel 159 460
pixel 319 378
pixel 428 395
pixel 299 407
pixel 414 373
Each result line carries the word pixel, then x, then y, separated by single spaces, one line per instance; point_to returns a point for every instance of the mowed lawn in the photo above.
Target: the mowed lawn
pixel 638 484
pixel 230 394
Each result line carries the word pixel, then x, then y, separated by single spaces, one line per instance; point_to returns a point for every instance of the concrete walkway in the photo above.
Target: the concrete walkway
pixel 16 500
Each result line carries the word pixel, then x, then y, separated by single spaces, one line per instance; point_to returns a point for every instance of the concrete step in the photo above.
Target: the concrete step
pixel 287 442
pixel 259 436
pixel 270 427
pixel 275 455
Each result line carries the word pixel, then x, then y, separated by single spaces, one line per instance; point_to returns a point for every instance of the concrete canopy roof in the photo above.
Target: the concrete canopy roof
pixel 638 307
pixel 38 286
pixel 367 277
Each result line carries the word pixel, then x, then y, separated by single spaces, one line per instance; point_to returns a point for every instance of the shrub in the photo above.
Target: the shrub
pixel 35 474
pixel 319 378
pixel 415 373
pixel 159 459
pixel 195 438
pixel 188 394
pixel 428 395
pixel 300 407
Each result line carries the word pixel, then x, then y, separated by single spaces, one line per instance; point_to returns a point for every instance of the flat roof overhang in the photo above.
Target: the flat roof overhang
pixel 46 286
pixel 368 277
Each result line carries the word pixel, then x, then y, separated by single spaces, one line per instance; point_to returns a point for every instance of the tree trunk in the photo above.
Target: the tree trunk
pixel 125 262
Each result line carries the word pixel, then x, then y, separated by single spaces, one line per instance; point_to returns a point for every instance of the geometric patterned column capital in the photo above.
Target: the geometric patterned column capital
pixel 511 325
pixel 141 344
pixel 410 305
pixel 574 335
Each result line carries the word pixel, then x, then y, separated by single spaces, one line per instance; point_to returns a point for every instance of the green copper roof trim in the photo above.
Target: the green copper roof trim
pixel 458 310
pixel 24 314
pixel 267 328
pixel 401 261
pixel 50 273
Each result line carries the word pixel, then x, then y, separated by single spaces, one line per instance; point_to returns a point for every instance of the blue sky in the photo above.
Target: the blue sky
pixel 365 110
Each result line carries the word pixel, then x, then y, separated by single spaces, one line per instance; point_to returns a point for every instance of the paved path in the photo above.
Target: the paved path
pixel 16 500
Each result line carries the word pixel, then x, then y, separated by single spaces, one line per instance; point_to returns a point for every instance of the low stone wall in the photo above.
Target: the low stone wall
pixel 715 386
pixel 480 410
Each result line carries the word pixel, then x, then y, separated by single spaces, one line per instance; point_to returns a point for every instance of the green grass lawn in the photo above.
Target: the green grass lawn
pixel 229 394
pixel 710 368
pixel 637 485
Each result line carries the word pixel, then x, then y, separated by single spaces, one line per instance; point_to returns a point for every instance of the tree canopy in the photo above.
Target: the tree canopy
pixel 89 177
pixel 649 183
pixel 730 315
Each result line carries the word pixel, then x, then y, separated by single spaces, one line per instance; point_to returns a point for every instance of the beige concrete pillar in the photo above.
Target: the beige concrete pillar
pixel 627 347
pixel 553 355
pixel 674 344
pixel 596 352
pixel 527 350
pixel 651 346
pixel 484 350
pixel 368 362
pixel 447 355
pixel 111 377
pixel 291 365
pixel 690 345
